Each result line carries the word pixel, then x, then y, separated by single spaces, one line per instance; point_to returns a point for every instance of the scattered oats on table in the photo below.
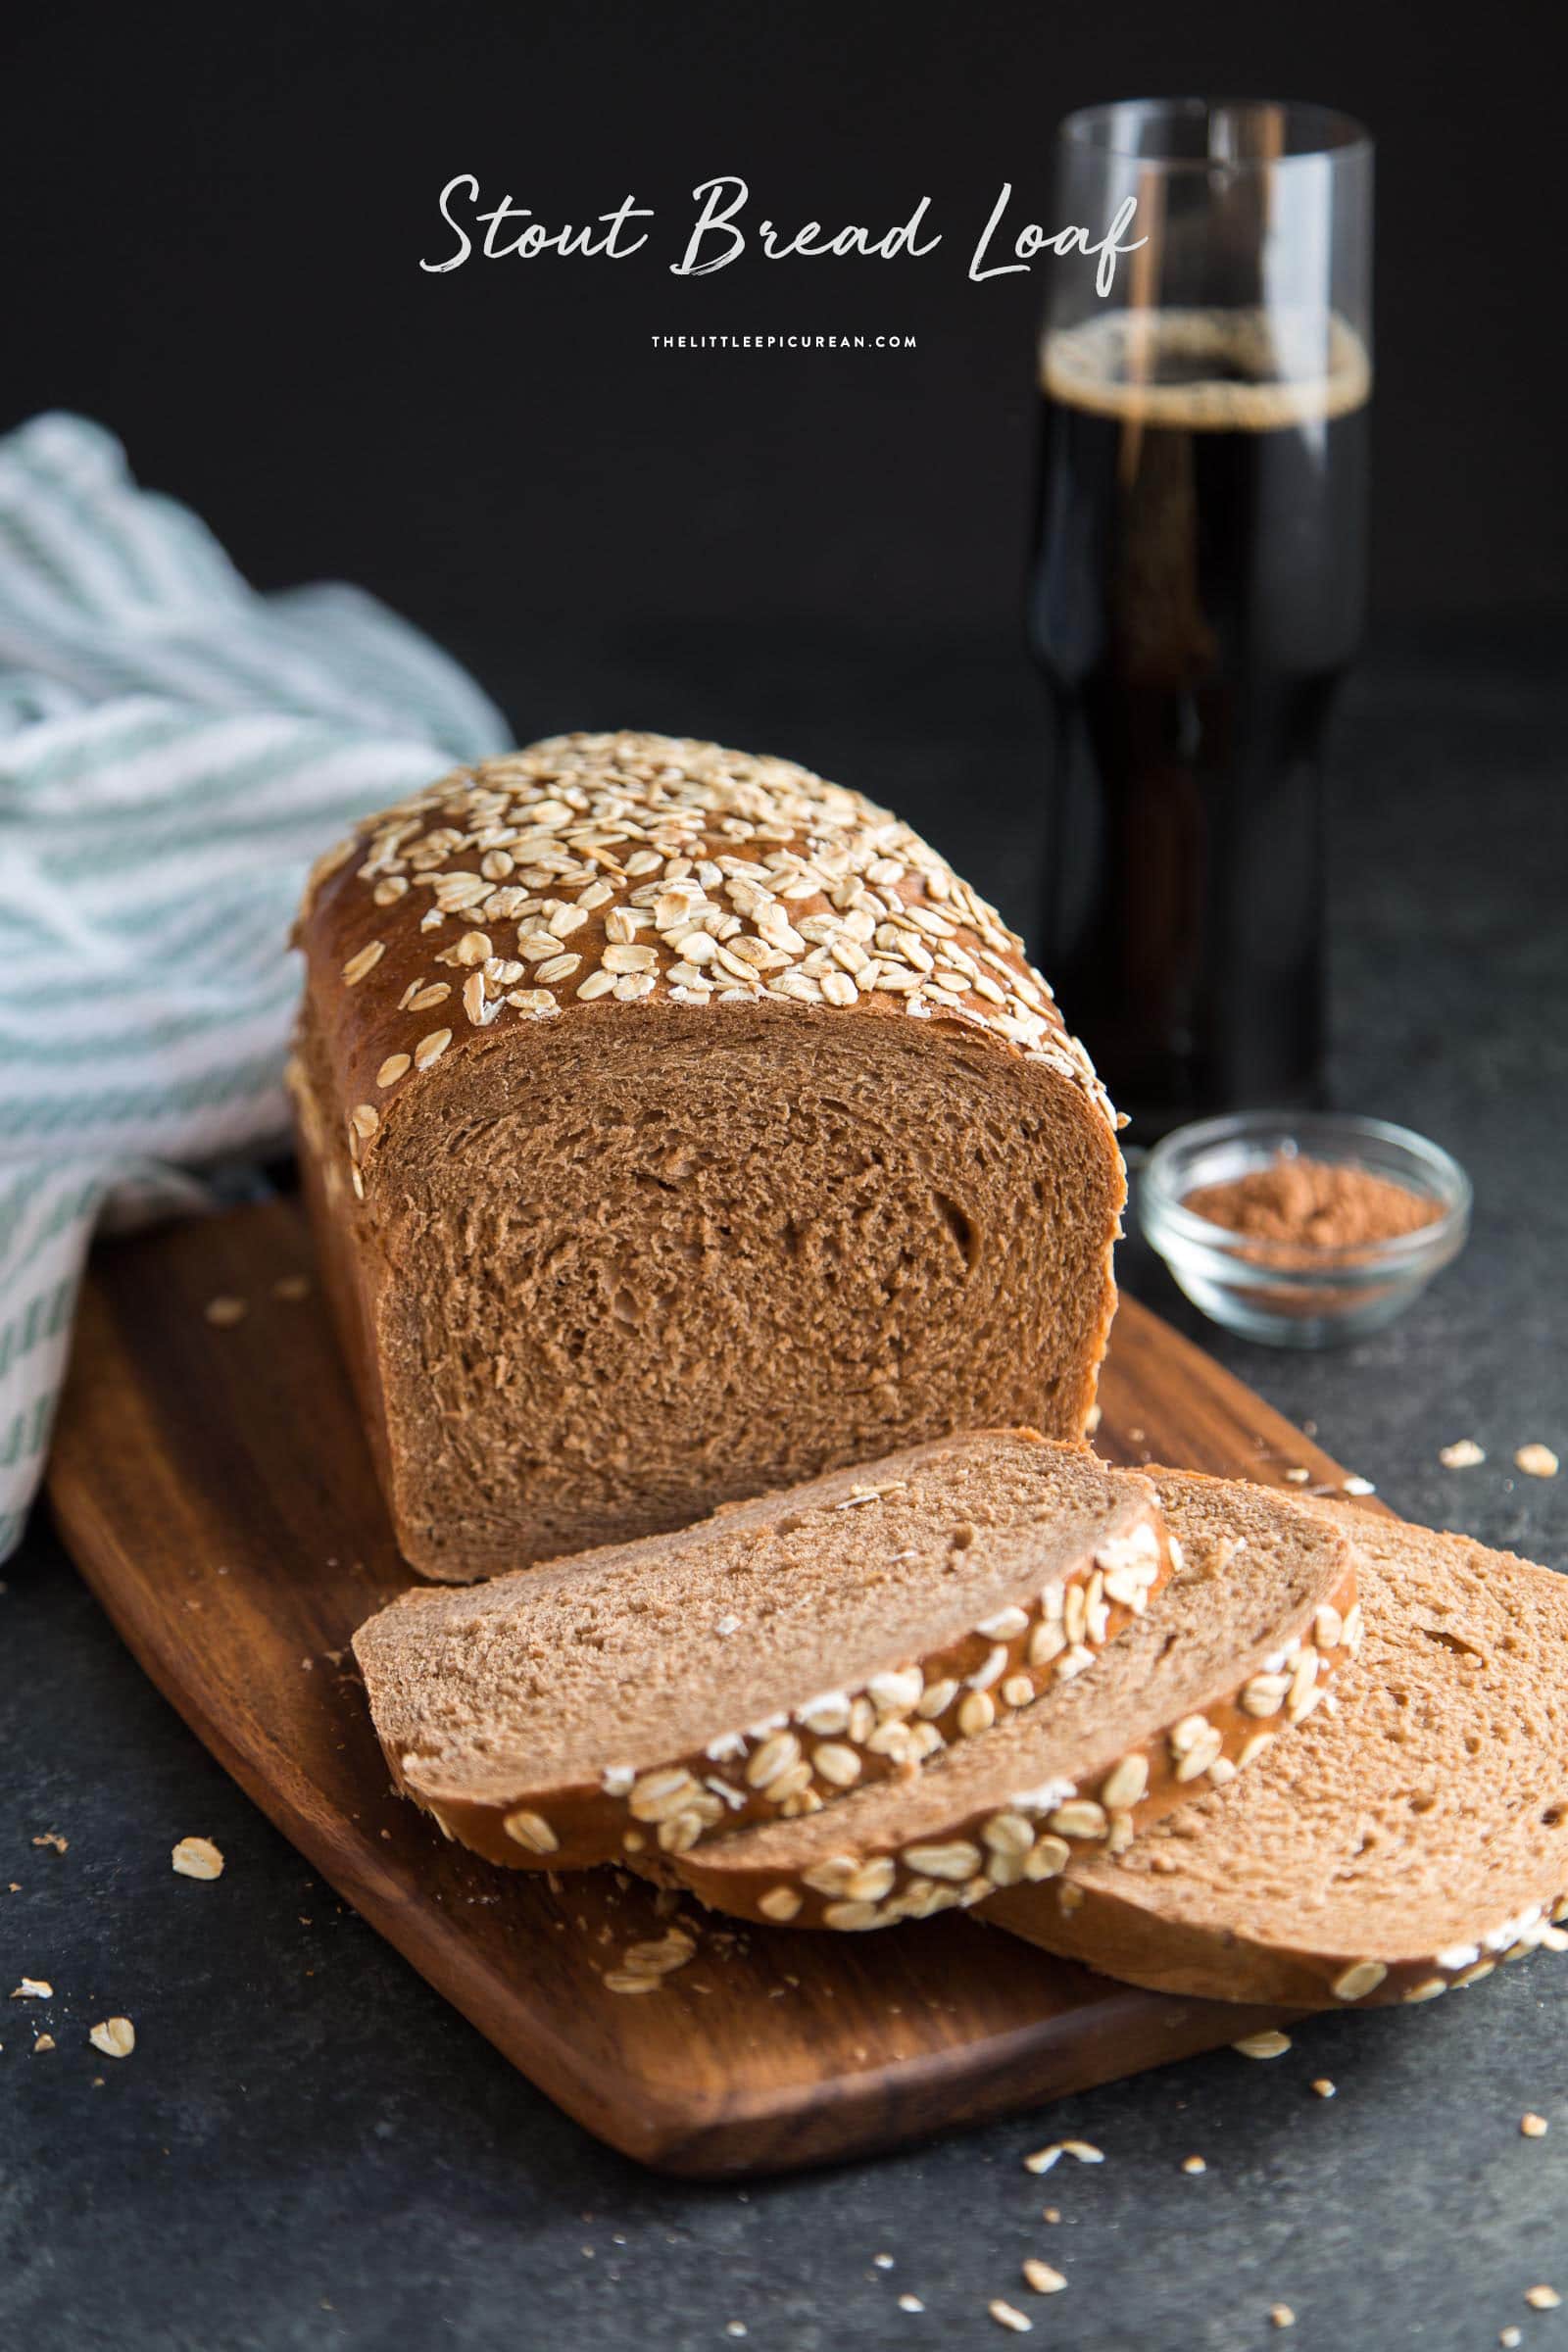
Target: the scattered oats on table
pixel 1537 1461
pixel 911 2303
pixel 1463 1454
pixel 1359 1485
pixel 1324 2088
pixel 1268 2045
pixel 1006 2315
pixel 197 1858
pixel 1542 2298
pixel 1194 2164
pixel 45 2041
pixel 223 1313
pixel 1043 2279
pixel 54 1839
pixel 1533 2126
pixel 1281 2316
pixel 115 2037
pixel 1510 2337
pixel 34 1989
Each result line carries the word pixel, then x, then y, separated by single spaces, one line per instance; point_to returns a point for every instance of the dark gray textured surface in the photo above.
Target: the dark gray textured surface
pixel 309 2149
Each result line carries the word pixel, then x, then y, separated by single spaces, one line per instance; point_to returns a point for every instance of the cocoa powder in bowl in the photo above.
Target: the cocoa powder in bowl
pixel 1312 1203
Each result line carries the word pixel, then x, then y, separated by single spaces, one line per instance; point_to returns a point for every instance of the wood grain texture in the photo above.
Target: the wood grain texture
pixel 215 1488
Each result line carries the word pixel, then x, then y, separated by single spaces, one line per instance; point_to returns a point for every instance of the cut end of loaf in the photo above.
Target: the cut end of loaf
pixel 794 1164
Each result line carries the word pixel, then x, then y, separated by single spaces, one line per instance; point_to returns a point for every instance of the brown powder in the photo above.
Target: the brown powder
pixel 1323 1204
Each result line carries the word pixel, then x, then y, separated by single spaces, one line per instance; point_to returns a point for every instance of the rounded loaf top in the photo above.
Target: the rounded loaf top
pixel 595 871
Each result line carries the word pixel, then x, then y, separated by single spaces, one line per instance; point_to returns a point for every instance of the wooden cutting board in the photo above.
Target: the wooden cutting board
pixel 215 1488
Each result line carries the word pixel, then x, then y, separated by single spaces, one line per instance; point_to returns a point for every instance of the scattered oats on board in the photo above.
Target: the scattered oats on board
pixel 1043 2279
pixel 197 1858
pixel 54 1839
pixel 224 1313
pixel 1542 2298
pixel 883 2262
pixel 1510 2338
pixel 1281 2316
pixel 115 2037
pixel 34 1989
pixel 1533 2126
pixel 45 2041
pixel 1463 1454
pixel 1537 1461
pixel 1006 2315
pixel 1268 2045
pixel 1194 2164
pixel 1324 2088
pixel 911 2303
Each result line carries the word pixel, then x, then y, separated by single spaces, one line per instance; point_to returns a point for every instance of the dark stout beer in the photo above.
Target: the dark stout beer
pixel 1196 592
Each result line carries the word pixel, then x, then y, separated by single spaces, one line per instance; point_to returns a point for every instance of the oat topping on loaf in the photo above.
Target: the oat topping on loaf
pixel 615 866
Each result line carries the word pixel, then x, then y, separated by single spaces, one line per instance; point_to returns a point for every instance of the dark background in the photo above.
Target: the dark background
pixel 213 219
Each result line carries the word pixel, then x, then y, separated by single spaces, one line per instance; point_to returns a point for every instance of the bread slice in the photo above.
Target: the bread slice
pixel 764 1662
pixel 676 1125
pixel 1238 1645
pixel 1413 1834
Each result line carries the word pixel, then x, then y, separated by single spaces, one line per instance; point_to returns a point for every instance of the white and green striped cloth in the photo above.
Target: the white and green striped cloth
pixel 175 750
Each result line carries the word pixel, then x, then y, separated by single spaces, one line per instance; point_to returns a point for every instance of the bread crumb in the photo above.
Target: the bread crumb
pixel 54 1839
pixel 1537 1461
pixel 45 2041
pixel 197 1858
pixel 1297 1476
pixel 292 1287
pixel 911 2303
pixel 116 2037
pixel 1281 2316
pixel 1007 2317
pixel 34 1989
pixel 1324 2088
pixel 1542 2298
pixel 1533 2126
pixel 622 1980
pixel 1267 2044
pixel 1463 1454
pixel 1194 2164
pixel 1043 2279
pixel 223 1313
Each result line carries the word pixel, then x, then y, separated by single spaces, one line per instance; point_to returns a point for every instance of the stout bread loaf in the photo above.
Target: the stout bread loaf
pixel 1410 1837
pixel 677 1125
pixel 761 1664
pixel 1236 1649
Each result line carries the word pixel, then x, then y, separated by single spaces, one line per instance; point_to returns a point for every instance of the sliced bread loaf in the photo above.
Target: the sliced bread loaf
pixel 1415 1834
pixel 676 1125
pixel 764 1662
pixel 1238 1645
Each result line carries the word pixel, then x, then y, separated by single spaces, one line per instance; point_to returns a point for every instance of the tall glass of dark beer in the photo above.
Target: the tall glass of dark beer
pixel 1197 587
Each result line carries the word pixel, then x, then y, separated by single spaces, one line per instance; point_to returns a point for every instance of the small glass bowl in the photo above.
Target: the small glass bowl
pixel 1289 1294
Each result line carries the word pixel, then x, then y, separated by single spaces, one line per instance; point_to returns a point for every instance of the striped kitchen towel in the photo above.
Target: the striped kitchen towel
pixel 174 750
